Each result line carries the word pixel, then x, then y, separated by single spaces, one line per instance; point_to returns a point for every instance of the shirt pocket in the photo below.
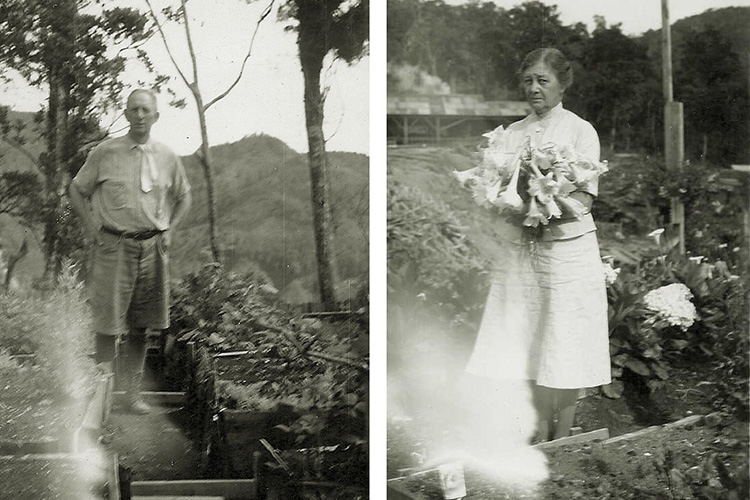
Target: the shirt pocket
pixel 115 195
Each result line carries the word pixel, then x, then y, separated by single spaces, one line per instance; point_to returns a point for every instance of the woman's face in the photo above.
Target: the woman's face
pixel 541 87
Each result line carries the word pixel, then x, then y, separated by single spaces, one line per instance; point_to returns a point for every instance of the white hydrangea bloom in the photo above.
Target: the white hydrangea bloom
pixel 672 304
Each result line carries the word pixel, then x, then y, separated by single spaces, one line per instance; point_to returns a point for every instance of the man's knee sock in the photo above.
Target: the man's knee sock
pixel 134 352
pixel 105 346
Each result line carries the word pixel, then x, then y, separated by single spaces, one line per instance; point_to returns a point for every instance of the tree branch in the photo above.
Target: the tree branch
pixel 194 87
pixel 166 45
pixel 263 15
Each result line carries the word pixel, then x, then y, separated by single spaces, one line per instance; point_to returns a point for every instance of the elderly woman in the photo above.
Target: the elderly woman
pixel 545 318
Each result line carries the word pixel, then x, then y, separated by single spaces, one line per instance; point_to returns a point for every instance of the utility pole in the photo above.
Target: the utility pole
pixel 674 137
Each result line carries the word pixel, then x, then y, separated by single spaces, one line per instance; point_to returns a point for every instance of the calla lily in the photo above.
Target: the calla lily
pixel 534 216
pixel 656 235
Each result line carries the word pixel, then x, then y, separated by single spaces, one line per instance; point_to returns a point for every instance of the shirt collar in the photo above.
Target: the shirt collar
pixel 132 144
pixel 550 114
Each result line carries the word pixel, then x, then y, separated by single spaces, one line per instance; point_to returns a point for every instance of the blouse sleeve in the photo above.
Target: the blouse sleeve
pixel 588 146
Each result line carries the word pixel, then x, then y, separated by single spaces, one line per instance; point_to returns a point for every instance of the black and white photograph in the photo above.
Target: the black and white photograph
pixel 184 249
pixel 567 249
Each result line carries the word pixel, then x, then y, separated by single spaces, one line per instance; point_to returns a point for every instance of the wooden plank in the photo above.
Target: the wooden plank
pixel 691 420
pixel 585 437
pixel 113 478
pixel 229 488
pixel 163 398
pixel 173 497
pixel 13 447
pixel 633 435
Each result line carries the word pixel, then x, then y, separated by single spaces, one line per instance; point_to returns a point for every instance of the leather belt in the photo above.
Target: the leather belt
pixel 134 235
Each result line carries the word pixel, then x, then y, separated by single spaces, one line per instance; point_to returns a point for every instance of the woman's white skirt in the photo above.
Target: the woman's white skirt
pixel 546 316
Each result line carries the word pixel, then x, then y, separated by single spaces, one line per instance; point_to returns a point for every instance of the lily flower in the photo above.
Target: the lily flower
pixel 466 175
pixel 544 188
pixel 552 209
pixel 510 199
pixel 534 216
pixel 565 185
pixel 656 235
pixel 581 172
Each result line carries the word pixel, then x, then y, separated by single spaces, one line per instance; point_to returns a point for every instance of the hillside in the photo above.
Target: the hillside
pixel 264 216
pixel 733 23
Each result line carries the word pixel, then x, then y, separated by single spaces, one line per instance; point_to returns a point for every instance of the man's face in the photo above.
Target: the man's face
pixel 141 113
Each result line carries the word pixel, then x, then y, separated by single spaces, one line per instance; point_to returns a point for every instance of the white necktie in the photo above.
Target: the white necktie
pixel 148 168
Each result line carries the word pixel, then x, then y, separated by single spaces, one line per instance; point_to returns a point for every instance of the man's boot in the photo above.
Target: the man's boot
pixel 135 402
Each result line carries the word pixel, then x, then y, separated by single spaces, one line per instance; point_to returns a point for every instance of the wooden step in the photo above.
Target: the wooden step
pixel 210 488
pixel 172 497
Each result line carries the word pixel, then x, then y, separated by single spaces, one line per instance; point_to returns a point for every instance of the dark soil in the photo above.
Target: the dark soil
pixel 698 461
pixel 157 446
pixel 701 461
pixel 154 446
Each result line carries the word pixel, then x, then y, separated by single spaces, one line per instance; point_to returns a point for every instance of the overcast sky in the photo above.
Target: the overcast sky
pixel 269 99
pixel 636 16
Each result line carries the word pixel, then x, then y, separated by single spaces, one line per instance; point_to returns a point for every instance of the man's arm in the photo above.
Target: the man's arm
pixel 80 206
pixel 180 209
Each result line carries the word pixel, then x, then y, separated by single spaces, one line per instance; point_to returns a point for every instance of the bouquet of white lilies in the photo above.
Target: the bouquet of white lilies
pixel 533 182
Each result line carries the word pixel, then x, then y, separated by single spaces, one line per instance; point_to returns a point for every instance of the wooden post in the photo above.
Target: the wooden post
pixel 674 141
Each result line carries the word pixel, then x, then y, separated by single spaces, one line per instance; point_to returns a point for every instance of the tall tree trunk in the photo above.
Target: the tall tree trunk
pixel 208 172
pixel 205 156
pixel 704 148
pixel 57 127
pixel 62 39
pixel 312 63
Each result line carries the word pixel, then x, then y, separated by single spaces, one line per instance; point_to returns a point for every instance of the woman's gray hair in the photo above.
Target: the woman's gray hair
pixel 554 60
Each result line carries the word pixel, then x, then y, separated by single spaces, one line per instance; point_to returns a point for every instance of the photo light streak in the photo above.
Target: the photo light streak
pixel 485 424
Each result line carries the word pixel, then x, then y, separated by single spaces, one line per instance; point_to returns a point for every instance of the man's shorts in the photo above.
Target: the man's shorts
pixel 128 284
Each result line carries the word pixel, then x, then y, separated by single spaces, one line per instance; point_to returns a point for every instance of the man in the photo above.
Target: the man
pixel 130 193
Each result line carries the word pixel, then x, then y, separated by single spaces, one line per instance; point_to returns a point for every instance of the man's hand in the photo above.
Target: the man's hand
pixel 92 234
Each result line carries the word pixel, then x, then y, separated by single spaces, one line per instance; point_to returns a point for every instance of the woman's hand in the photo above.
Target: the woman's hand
pixel 585 198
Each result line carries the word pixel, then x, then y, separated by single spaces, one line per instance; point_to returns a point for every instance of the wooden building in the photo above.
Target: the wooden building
pixel 442 118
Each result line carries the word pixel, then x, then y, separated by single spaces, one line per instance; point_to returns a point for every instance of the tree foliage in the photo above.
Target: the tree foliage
pixel 477 48
pixel 70 52
pixel 339 28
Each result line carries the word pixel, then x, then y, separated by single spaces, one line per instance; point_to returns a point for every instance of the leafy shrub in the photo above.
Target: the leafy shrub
pixel 318 369
pixel 435 274
pixel 637 192
pixel 634 340
pixel 645 343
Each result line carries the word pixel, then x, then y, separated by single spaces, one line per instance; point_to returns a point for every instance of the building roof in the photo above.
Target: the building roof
pixel 454 105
